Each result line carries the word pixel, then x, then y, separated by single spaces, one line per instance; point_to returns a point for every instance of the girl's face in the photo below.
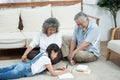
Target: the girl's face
pixel 51 30
pixel 53 54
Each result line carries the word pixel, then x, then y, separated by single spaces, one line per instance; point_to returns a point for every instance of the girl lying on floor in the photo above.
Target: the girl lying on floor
pixel 35 66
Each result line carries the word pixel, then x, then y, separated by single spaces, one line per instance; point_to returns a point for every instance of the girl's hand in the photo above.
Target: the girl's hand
pixel 53 73
pixel 60 68
pixel 65 70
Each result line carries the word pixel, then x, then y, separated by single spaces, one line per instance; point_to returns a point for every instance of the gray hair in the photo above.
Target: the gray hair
pixel 50 22
pixel 81 15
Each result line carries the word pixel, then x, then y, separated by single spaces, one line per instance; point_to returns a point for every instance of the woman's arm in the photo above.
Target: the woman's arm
pixel 36 40
pixel 24 57
pixel 32 45
pixel 53 73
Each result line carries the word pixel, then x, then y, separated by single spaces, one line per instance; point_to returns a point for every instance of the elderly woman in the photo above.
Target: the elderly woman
pixel 49 35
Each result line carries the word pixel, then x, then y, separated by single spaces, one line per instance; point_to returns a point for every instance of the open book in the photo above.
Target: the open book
pixel 66 76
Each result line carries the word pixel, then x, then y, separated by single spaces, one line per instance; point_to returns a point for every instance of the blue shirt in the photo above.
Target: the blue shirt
pixel 91 35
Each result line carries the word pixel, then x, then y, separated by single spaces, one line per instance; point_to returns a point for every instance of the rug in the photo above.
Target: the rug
pixel 100 70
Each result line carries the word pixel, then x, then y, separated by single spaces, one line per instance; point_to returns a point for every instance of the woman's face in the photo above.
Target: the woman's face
pixel 51 30
pixel 53 54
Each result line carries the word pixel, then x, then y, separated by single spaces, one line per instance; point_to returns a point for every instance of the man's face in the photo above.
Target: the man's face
pixel 81 23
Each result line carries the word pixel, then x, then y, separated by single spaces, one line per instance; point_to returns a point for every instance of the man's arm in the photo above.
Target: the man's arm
pixel 72 46
pixel 81 47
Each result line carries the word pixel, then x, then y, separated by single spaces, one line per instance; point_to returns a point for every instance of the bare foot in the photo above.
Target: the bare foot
pixel 72 62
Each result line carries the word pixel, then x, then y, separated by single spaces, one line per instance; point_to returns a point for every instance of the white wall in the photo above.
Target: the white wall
pixel 106 19
pixel 11 1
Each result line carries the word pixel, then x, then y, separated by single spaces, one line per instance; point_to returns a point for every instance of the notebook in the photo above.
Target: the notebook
pixel 82 69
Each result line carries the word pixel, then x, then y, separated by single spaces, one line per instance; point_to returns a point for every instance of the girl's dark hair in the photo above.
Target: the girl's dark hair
pixel 55 48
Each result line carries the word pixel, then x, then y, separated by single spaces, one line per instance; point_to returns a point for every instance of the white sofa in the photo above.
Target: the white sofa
pixel 32 20
pixel 31 16
pixel 10 35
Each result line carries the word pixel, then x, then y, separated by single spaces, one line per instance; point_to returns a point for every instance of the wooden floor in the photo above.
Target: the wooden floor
pixel 16 54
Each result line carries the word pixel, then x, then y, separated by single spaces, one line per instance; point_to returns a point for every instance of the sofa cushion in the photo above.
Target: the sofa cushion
pixel 33 18
pixel 65 15
pixel 66 32
pixel 114 45
pixel 29 36
pixel 12 40
pixel 9 20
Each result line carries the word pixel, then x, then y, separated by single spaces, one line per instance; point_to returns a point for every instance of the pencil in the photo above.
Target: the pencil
pixel 66 66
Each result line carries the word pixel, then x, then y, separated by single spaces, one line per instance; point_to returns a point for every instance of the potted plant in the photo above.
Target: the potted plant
pixel 112 5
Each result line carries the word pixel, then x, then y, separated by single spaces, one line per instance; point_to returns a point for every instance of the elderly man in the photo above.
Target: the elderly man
pixel 85 43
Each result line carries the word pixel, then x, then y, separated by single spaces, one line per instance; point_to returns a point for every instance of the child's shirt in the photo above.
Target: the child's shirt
pixel 39 65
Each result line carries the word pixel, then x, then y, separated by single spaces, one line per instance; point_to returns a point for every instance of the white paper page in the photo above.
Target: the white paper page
pixel 66 76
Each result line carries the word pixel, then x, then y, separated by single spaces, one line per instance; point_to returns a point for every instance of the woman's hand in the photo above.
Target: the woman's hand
pixel 24 58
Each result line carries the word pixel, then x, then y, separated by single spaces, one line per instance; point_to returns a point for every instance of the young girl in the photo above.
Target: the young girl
pixel 38 64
